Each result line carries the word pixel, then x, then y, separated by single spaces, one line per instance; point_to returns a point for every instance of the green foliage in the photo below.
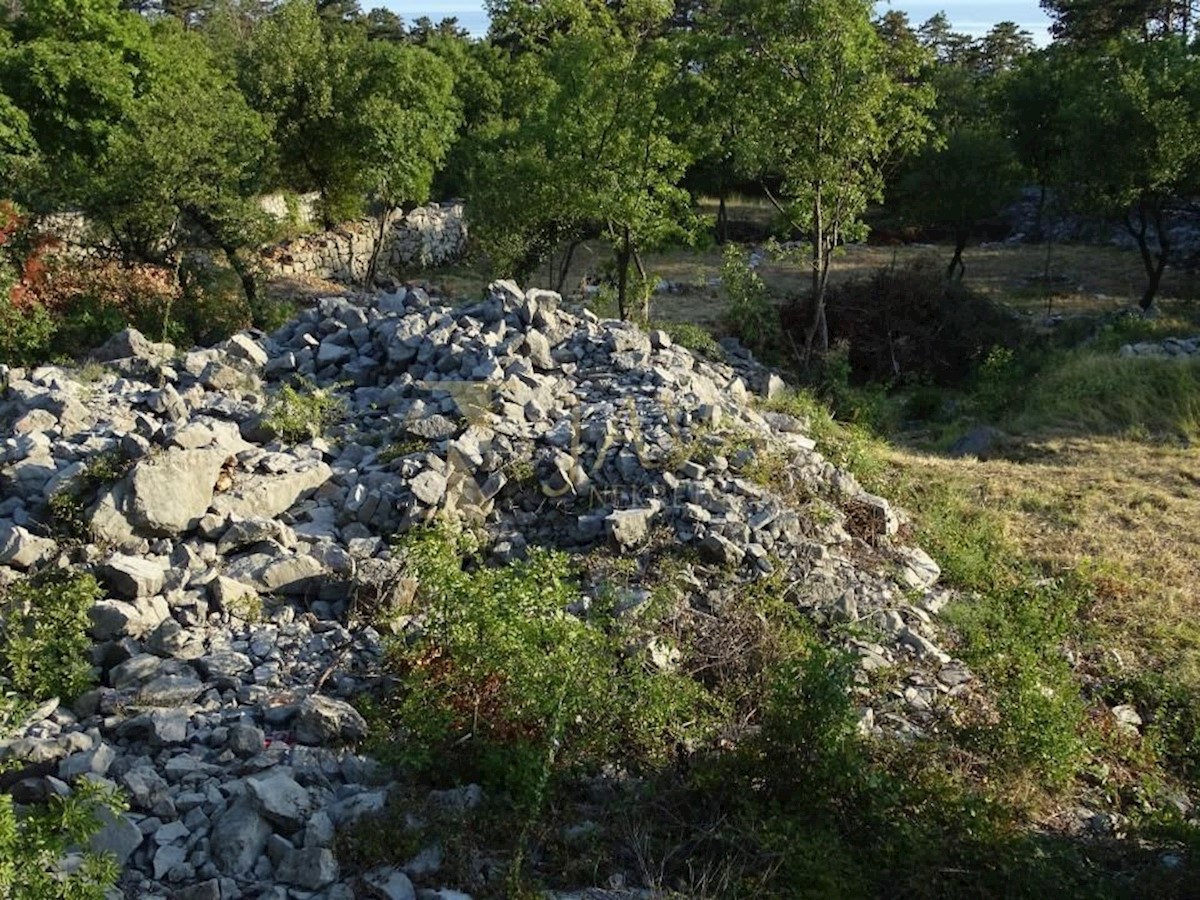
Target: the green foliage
pixel 68 505
pixel 1014 637
pixel 25 333
pixel 579 137
pixel 44 643
pixel 849 445
pixel 1103 394
pixel 750 314
pixel 694 337
pixel 955 186
pixel 301 413
pixel 351 117
pixel 840 106
pixel 34 842
pixel 1131 139
pixel 503 684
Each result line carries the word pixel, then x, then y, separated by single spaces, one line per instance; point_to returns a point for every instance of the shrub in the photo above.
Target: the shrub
pixel 26 326
pixel 33 844
pixel 44 643
pixel 297 415
pixel 905 323
pixel 750 315
pixel 514 689
pixel 693 337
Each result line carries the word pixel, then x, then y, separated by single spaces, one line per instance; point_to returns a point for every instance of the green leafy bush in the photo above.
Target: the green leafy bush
pixel 44 643
pixel 300 414
pixel 750 315
pixel 512 688
pixel 25 333
pixel 693 337
pixel 34 843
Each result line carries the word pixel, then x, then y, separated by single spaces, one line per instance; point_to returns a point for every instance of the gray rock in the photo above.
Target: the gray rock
pixel 132 577
pixel 239 837
pixel 628 527
pixel 390 883
pixel 280 799
pixel 246 739
pixel 324 720
pixel 721 550
pixel 118 836
pixel 21 549
pixel 170 492
pixel 309 868
pixel 205 890
pixel 243 347
pixel 267 496
pixel 132 344
pixel 978 442
pixel 429 487
pixel 114 619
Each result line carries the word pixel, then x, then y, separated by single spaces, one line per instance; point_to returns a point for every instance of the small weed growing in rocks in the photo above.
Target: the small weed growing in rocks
pixel 301 413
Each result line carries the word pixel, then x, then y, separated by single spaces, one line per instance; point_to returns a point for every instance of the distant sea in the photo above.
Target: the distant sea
pixel 974 17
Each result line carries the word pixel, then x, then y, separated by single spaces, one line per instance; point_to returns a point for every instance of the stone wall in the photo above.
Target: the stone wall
pixel 427 236
pixel 1170 348
pixel 431 235
pixel 284 207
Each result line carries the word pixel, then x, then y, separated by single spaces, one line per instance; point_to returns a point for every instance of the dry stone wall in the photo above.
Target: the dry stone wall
pixel 427 236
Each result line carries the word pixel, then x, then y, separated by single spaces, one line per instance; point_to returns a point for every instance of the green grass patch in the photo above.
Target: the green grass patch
pixel 1101 393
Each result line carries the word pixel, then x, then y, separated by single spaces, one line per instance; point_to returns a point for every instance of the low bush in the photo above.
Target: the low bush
pixel 502 684
pixel 750 314
pixel 44 639
pixel 302 413
pixel 902 324
pixel 34 843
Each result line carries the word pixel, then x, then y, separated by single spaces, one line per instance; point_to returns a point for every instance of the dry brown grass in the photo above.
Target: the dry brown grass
pixel 1127 513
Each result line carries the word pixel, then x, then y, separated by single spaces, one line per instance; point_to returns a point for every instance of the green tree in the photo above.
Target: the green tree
pixel 583 135
pixel 1091 23
pixel 957 185
pixel 406 118
pixel 74 70
pixel 832 115
pixel 1131 126
pixel 1030 101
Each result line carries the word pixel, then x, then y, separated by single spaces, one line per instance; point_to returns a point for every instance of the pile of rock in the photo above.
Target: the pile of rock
pixel 228 648
pixel 432 235
pixel 1169 348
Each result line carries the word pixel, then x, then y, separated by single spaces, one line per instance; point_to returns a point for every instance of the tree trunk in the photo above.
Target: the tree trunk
pixel 623 257
pixel 722 219
pixel 565 269
pixel 956 269
pixel 645 286
pixel 818 327
pixel 1154 262
pixel 373 262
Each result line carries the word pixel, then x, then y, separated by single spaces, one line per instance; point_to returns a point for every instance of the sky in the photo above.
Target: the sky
pixel 971 16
